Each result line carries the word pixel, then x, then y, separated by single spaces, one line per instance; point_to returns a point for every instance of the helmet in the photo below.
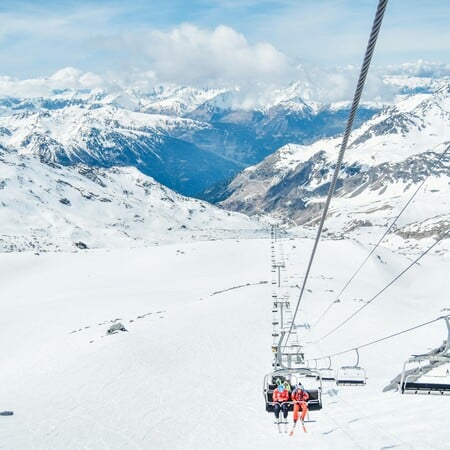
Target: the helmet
pixel 300 386
pixel 280 388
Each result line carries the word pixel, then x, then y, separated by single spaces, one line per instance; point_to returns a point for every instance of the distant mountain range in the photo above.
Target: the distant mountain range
pixel 187 139
pixel 387 157
pixel 98 169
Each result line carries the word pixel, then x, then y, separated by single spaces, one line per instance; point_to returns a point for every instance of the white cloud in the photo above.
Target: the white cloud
pixel 254 85
pixel 67 78
pixel 191 55
pixel 421 68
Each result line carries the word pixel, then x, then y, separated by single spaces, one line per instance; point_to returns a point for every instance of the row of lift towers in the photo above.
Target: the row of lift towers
pixel 289 365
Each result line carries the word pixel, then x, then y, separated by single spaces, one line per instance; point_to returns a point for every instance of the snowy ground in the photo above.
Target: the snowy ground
pixel 188 374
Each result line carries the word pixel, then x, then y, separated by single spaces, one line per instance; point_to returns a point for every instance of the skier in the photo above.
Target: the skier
pixel 280 396
pixel 300 398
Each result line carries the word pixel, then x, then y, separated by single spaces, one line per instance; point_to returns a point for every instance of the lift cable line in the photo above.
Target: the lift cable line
pixel 356 99
pixel 385 287
pixel 376 341
pixel 391 226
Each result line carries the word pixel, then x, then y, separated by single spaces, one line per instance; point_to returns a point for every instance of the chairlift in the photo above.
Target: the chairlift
pixel 351 375
pixel 428 373
pixel 313 371
pixel 293 377
pixel 327 373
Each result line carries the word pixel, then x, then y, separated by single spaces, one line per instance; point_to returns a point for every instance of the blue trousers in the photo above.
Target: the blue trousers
pixel 283 407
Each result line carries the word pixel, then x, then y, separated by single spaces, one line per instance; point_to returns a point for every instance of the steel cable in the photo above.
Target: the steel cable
pixel 441 156
pixel 384 288
pixel 376 341
pixel 356 99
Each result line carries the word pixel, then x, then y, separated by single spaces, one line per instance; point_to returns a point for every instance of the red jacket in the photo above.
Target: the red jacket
pixel 300 395
pixel 280 396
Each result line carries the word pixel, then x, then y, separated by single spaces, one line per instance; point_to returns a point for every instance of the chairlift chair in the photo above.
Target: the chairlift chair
pixel 351 375
pixel 313 371
pixel 327 373
pixel 430 373
pixel 293 377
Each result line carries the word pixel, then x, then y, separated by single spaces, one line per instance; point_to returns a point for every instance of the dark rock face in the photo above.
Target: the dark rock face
pixel 291 196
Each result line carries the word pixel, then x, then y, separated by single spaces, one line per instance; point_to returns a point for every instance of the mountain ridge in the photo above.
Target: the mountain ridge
pixel 54 207
pixel 186 138
pixel 389 153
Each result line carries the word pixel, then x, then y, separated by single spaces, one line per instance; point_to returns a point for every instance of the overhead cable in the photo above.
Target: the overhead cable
pixel 376 341
pixel 356 99
pixel 384 288
pixel 391 226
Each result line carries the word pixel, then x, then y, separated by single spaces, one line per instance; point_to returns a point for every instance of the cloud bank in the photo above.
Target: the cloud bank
pixel 66 78
pixel 191 55
pixel 221 57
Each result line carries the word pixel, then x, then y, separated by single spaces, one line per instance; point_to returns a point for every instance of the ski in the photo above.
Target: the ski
pixel 293 429
pixel 304 427
pixel 278 422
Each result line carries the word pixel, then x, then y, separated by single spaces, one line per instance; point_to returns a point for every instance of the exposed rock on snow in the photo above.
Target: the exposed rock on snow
pixel 115 328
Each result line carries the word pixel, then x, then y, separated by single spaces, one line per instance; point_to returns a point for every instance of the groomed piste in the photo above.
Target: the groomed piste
pixel 188 373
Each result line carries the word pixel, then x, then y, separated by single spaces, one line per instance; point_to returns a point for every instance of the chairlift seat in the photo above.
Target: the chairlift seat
pixel 354 382
pixel 415 380
pixel 426 388
pixel 327 374
pixel 328 378
pixel 314 402
pixel 351 376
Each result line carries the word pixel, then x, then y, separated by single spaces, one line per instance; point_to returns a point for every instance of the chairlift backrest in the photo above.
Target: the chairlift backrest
pixel 421 378
pixel 351 376
pixel 328 373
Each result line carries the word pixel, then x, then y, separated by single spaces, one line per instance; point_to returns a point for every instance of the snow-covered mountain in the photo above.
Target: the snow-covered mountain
pixel 53 207
pixel 90 143
pixel 107 135
pixel 387 157
pixel 188 139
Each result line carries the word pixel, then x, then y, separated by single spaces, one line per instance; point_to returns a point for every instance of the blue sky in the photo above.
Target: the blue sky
pixel 230 38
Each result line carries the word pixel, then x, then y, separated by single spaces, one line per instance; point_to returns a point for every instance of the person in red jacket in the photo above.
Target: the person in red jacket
pixel 280 396
pixel 300 398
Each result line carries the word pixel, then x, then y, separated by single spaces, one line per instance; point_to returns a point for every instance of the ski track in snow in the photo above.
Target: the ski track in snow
pixel 194 379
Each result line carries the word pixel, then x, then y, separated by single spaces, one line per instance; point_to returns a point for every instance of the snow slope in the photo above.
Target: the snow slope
pixel 52 207
pixel 188 373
